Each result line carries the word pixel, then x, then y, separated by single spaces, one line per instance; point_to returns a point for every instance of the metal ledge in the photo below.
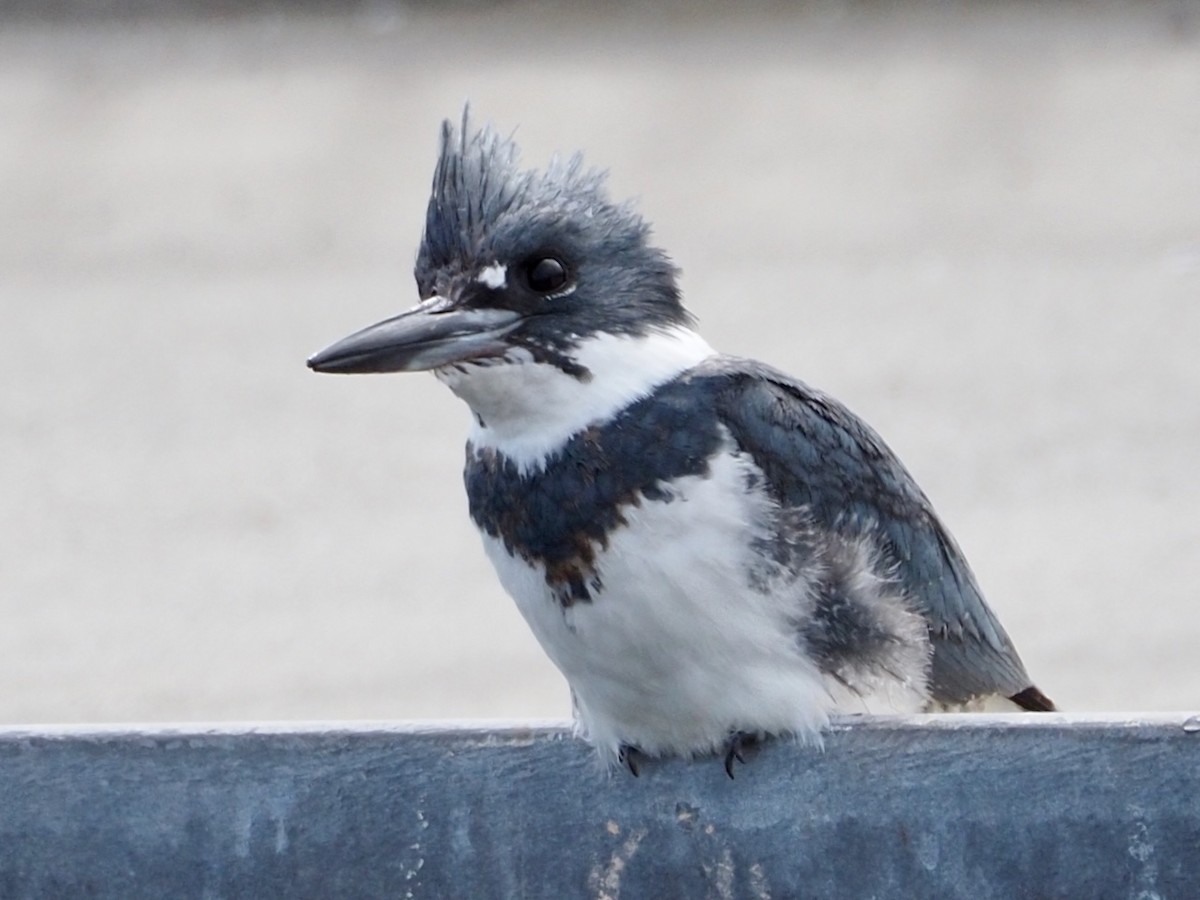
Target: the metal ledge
pixel 932 806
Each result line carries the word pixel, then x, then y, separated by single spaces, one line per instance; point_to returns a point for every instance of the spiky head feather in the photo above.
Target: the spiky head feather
pixel 485 209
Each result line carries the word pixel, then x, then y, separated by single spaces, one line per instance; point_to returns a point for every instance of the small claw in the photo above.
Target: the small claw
pixel 737 742
pixel 628 757
pixel 732 754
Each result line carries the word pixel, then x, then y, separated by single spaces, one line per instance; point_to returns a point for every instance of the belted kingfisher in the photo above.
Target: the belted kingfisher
pixel 709 550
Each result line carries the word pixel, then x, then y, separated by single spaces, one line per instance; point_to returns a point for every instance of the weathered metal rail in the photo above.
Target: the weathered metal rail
pixel 925 807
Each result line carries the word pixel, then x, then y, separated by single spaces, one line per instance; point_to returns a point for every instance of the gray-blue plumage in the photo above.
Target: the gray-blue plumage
pixel 704 546
pixel 815 455
pixel 819 456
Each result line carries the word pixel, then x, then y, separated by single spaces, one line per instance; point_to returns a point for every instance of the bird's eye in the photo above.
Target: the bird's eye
pixel 545 274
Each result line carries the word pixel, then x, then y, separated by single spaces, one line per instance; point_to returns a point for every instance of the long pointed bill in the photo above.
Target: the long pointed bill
pixel 425 337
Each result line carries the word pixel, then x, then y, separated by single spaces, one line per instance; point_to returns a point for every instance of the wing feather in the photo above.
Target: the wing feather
pixel 818 455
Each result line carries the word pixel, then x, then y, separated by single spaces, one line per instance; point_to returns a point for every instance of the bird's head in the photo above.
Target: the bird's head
pixel 516 268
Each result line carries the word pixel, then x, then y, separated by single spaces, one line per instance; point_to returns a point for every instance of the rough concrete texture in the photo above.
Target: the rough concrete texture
pixel 950 807
pixel 977 224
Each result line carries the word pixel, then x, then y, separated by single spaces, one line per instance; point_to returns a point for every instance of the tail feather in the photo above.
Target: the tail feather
pixel 1033 700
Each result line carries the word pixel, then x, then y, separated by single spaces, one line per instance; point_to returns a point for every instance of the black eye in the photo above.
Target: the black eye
pixel 545 274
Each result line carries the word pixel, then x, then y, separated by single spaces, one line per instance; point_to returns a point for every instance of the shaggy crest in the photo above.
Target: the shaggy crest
pixel 478 181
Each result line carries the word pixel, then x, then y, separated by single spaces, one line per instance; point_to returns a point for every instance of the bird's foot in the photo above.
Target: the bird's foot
pixel 739 743
pixel 628 756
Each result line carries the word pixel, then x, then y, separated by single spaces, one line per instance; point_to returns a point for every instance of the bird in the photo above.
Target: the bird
pixel 712 552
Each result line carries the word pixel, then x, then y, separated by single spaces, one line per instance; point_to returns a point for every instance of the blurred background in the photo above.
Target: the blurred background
pixel 978 224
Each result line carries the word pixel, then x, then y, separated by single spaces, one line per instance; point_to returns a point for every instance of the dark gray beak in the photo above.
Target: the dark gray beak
pixel 428 336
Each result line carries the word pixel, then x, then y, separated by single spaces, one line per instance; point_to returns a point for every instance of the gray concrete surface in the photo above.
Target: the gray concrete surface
pixel 955 807
pixel 977 224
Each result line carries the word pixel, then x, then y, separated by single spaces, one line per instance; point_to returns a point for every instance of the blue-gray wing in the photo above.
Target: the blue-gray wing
pixel 819 456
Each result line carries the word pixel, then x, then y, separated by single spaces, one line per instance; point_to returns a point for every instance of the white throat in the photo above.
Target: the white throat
pixel 530 409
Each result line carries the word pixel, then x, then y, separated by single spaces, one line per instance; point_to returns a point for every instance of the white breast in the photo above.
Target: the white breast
pixel 676 652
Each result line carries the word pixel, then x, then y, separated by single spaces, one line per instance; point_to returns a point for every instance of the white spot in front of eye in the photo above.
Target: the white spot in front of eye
pixel 494 276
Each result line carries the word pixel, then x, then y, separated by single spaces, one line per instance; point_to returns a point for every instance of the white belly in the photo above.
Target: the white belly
pixel 676 652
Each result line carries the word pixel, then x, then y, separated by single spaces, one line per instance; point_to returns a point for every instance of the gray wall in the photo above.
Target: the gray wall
pixel 978 224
